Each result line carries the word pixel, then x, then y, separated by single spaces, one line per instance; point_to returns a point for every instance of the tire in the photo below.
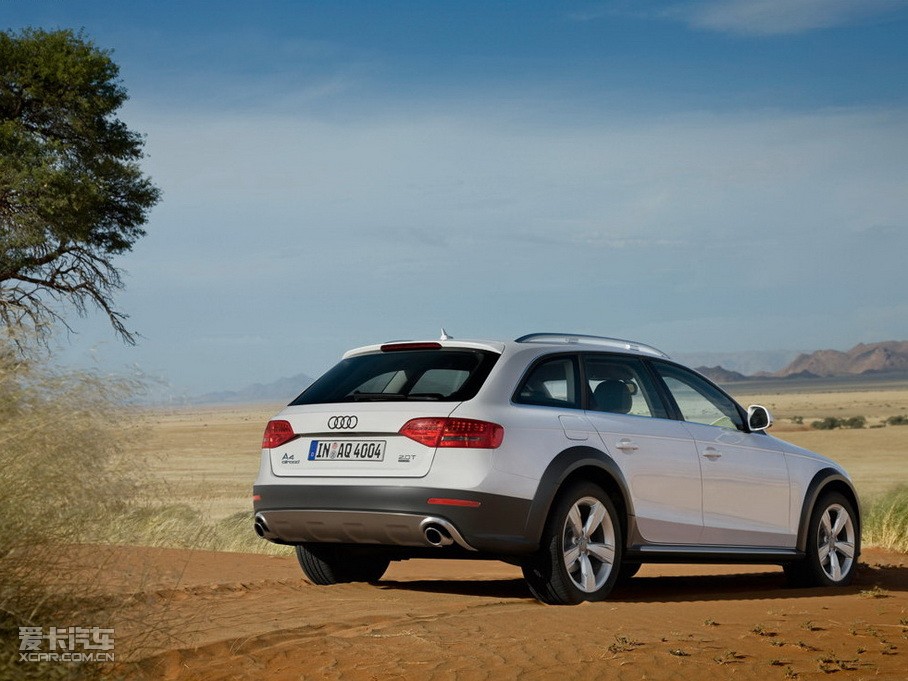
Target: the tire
pixel 833 545
pixel 580 552
pixel 326 564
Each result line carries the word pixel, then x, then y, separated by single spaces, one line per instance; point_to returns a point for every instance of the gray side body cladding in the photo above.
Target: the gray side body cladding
pixel 824 480
pixel 599 468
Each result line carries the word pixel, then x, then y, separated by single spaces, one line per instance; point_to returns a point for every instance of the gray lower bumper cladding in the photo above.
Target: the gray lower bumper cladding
pixel 294 526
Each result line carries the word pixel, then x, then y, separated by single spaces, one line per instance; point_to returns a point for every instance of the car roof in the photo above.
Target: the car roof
pixel 555 341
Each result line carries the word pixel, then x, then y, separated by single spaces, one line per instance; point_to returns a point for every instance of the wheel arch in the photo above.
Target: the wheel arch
pixel 827 480
pixel 574 464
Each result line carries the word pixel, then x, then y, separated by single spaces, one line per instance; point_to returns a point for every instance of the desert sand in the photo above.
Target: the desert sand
pixel 208 615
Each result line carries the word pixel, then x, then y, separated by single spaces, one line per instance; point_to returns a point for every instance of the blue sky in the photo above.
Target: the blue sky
pixel 705 175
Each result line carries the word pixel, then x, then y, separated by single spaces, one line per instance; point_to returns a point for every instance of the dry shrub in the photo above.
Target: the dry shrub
pixel 182 526
pixel 70 475
pixel 62 474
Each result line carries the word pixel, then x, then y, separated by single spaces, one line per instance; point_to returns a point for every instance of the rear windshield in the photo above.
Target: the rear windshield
pixel 444 375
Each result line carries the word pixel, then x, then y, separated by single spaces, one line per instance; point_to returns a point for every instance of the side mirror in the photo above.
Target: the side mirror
pixel 758 418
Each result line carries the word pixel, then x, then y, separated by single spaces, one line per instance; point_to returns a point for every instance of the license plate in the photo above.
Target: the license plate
pixel 347 450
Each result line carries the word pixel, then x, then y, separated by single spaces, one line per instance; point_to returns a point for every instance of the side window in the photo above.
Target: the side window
pixel 440 381
pixel 387 382
pixel 620 386
pixel 551 383
pixel 698 400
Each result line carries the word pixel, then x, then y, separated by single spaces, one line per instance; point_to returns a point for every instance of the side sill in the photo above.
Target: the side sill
pixel 660 553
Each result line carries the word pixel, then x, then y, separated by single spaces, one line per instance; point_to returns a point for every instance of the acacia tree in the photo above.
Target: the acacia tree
pixel 72 194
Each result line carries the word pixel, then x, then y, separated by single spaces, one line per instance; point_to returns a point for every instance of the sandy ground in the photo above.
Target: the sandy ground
pixel 207 615
pixel 204 615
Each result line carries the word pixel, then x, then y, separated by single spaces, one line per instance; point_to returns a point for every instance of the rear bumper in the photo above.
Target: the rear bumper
pixel 358 527
pixel 392 516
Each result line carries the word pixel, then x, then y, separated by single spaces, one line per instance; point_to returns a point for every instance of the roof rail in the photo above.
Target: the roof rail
pixel 569 338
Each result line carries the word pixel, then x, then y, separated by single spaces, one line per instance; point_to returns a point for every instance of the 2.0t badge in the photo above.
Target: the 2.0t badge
pixel 342 422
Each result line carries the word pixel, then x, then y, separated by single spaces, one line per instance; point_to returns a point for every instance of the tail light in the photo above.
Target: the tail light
pixel 454 432
pixel 277 433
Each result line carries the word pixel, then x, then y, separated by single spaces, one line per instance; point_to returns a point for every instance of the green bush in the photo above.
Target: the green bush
pixel 829 423
pixel 900 420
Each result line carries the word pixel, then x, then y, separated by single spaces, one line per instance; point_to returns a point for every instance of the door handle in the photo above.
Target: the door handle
pixel 626 445
pixel 712 453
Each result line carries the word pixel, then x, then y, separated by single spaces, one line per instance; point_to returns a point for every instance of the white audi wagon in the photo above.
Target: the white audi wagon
pixel 576 457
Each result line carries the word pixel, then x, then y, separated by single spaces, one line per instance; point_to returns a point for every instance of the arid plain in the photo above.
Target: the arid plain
pixel 221 615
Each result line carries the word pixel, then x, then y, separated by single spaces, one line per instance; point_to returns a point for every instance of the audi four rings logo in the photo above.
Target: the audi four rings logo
pixel 341 422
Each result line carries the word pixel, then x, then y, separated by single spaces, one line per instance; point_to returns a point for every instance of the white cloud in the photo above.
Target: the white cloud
pixel 771 17
pixel 481 219
pixel 266 214
pixel 475 176
pixel 747 17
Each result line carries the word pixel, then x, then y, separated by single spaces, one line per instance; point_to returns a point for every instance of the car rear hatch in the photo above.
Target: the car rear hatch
pixel 349 422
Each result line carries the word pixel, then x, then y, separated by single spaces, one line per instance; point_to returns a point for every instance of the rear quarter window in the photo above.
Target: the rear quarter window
pixel 552 382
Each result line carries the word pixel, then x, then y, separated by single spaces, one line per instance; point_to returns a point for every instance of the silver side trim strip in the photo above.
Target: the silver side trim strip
pixel 717 550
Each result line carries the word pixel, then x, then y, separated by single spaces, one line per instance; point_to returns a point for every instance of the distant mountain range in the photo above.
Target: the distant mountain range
pixel 718 374
pixel 282 390
pixel 867 359
pixel 864 359
pixel 746 362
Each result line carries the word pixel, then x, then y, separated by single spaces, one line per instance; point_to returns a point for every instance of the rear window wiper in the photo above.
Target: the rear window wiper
pixel 357 396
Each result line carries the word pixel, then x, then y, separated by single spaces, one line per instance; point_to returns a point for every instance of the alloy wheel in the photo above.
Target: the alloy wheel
pixel 588 542
pixel 835 542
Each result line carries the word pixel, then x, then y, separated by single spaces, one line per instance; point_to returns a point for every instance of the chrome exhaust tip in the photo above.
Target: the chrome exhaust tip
pixel 439 532
pixel 436 535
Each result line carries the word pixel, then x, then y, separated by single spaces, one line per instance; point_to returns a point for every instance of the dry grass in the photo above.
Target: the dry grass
pixel 73 470
pixel 886 520
pixel 181 526
pixel 204 457
pixel 61 436
pixel 876 404
pixel 875 457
